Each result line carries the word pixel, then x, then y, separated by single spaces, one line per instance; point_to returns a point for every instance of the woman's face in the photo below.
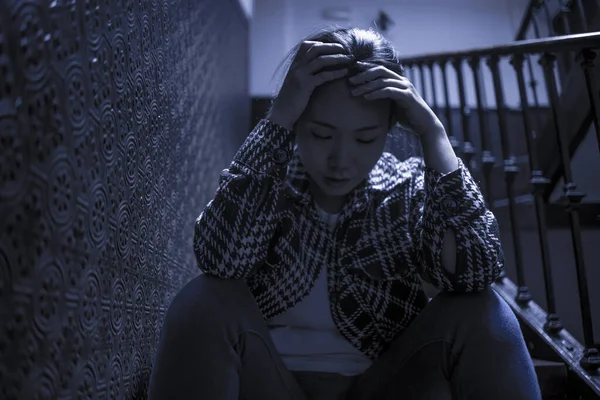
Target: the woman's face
pixel 342 137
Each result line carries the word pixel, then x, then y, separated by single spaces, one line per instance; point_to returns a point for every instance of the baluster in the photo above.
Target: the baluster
pixel 534 23
pixel 572 199
pixel 448 109
pixel 487 158
pixel 510 171
pixel 435 104
pixel 584 25
pixel 534 15
pixel 565 9
pixel 465 112
pixel 539 183
pixel 587 57
pixel 423 90
pixel 544 5
pixel 533 84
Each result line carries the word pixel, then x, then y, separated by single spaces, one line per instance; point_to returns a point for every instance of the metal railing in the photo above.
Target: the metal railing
pixel 423 70
pixel 547 18
pixel 573 16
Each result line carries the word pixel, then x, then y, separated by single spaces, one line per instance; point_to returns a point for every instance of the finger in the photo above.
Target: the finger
pixel 326 76
pixel 363 66
pixel 319 49
pixel 378 71
pixel 388 92
pixel 302 50
pixel 305 46
pixel 325 61
pixel 379 84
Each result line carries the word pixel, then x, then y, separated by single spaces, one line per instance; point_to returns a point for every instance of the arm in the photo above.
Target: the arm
pixel 232 234
pixel 439 156
pixel 456 239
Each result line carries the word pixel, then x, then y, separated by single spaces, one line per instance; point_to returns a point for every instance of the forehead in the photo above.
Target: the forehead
pixel 334 103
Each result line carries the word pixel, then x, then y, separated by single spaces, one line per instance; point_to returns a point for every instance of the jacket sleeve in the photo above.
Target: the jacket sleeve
pixel 232 234
pixel 453 201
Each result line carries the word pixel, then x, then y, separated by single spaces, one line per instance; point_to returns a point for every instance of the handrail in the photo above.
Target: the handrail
pixel 556 130
pixel 556 43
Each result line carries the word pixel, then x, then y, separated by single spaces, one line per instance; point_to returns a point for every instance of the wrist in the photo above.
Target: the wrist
pixel 280 120
pixel 438 152
pixel 433 134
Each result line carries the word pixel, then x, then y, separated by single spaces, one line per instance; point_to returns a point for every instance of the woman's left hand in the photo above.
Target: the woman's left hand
pixel 413 113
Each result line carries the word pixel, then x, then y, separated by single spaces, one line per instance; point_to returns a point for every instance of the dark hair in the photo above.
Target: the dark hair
pixel 366 45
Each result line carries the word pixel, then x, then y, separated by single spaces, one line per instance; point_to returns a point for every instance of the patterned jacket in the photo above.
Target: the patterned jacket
pixel 262 226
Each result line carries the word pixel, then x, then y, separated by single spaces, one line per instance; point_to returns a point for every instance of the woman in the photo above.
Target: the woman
pixel 316 243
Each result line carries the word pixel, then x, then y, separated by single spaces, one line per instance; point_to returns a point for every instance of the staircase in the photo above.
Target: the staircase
pixel 519 156
pixel 552 18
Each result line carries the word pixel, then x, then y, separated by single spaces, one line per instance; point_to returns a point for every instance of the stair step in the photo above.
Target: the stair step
pixel 552 377
pixel 547 363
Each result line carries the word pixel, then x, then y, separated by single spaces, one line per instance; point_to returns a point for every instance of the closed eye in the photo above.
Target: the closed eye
pixel 320 137
pixel 366 141
pixel 329 137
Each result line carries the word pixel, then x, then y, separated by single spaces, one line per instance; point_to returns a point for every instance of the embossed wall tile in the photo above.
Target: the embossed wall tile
pixel 116 118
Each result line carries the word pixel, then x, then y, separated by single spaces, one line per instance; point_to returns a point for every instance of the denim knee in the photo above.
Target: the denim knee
pixel 208 298
pixel 483 312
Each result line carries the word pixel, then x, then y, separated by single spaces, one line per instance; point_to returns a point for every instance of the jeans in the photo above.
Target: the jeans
pixel 215 345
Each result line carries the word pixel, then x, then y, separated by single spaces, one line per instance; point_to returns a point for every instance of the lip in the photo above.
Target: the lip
pixel 336 180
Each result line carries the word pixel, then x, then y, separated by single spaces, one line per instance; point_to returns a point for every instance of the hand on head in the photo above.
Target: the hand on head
pixel 371 65
pixel 315 64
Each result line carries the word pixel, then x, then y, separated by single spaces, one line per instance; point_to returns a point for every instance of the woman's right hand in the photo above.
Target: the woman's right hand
pixel 304 75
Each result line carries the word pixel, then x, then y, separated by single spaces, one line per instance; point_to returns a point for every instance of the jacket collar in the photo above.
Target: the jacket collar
pixel 378 180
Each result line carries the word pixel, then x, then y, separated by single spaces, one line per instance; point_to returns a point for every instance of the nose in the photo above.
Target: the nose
pixel 339 158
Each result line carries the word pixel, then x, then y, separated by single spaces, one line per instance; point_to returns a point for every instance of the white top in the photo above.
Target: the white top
pixel 306 336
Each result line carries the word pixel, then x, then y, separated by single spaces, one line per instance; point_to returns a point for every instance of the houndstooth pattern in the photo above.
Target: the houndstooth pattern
pixel 262 226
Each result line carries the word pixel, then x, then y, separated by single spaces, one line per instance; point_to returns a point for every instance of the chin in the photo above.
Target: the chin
pixel 337 190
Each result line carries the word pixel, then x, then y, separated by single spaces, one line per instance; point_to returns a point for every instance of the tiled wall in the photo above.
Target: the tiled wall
pixel 116 117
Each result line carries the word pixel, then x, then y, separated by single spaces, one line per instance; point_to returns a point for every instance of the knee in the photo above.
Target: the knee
pixel 470 304
pixel 484 312
pixel 209 289
pixel 207 298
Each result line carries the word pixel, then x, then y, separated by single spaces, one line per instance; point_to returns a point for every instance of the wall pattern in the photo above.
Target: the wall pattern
pixel 116 117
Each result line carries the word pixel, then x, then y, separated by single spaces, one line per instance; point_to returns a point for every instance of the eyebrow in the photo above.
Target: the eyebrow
pixel 363 129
